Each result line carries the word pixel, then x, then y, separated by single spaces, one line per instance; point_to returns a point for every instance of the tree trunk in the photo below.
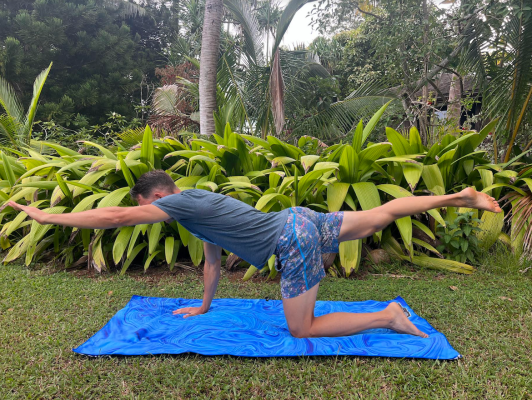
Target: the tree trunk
pixel 210 45
pixel 454 109
pixel 424 120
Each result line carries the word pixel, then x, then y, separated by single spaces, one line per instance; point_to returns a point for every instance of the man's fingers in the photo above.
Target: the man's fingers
pixel 8 204
pixel 16 206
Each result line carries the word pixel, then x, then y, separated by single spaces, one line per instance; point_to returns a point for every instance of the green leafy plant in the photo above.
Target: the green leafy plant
pixel 459 240
pixel 15 127
pixel 268 174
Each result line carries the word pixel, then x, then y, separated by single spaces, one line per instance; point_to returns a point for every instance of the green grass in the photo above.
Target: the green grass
pixel 43 315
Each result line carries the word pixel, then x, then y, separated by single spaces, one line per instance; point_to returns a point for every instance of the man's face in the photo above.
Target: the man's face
pixel 156 195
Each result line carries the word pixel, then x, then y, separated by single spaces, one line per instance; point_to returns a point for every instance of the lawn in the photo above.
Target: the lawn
pixel 487 318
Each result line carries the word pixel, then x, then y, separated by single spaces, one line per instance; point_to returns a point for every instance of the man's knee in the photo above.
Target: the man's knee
pixel 300 332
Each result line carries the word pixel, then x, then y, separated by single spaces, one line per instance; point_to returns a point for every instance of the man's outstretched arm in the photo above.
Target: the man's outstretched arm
pixel 101 218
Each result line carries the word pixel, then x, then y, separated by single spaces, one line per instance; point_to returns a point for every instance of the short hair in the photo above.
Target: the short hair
pixel 148 182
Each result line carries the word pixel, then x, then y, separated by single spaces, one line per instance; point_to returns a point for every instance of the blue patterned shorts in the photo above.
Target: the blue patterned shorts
pixel 306 235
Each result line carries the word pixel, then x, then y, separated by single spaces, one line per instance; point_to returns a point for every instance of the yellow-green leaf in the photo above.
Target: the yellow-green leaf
pixel 486 178
pixel 114 198
pixel 134 236
pixel 412 172
pixel 405 230
pixel 177 245
pixel 97 257
pixel 491 226
pixel 135 251
pixel 183 234
pixel 88 180
pixel 433 179
pixel 64 187
pixel 146 149
pixel 424 228
pixel 440 264
pixel 127 173
pixel 249 273
pixel 308 161
pixel 367 195
pixel 153 237
pixel 107 153
pixel 169 248
pixel 149 259
pixel 121 242
pixel 350 253
pixel 336 193
pixel 8 170
pixel 269 200
pixel 195 249
pixel 427 246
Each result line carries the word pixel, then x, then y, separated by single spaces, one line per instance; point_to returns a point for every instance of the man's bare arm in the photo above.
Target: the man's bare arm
pixel 213 264
pixel 102 218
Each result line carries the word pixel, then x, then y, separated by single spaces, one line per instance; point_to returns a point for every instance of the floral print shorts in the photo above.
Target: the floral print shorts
pixel 306 235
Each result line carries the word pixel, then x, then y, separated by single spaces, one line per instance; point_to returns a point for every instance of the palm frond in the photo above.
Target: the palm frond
pixel 244 15
pixel 166 100
pixel 171 105
pixel 289 12
pixel 9 128
pixel 9 101
pixel 512 75
pixel 131 137
pixel 125 7
pixel 30 116
pixel 340 117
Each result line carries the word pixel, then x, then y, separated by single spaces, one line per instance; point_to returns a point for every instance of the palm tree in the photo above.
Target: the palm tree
pixel 15 127
pixel 511 90
pixel 210 46
pixel 269 90
pixel 500 48
pixel 257 85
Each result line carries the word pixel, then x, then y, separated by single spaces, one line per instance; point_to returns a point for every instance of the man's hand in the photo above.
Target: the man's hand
pixel 33 212
pixel 190 311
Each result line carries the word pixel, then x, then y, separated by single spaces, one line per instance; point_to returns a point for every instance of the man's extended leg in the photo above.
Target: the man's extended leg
pixel 299 312
pixel 361 224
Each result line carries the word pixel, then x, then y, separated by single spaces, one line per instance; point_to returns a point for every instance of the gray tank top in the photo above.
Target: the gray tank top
pixel 222 220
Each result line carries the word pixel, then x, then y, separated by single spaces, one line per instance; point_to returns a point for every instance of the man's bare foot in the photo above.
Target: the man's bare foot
pixel 479 200
pixel 400 323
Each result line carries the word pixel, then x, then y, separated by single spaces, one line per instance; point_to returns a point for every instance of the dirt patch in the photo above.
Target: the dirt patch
pixel 237 275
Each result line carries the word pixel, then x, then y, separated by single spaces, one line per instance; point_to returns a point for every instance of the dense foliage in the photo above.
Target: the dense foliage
pixel 268 174
pixel 104 55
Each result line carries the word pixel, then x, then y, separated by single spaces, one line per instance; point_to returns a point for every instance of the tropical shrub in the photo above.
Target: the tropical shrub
pixel 268 174
pixel 459 239
pixel 15 126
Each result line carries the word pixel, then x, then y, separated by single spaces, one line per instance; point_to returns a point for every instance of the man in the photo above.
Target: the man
pixel 297 236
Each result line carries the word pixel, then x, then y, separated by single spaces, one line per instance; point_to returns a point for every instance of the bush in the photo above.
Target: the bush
pixel 270 175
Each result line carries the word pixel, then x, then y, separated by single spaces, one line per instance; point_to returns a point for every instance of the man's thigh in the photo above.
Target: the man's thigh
pixel 361 224
pixel 299 311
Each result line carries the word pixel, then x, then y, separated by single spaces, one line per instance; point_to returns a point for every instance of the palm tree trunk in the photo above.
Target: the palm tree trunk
pixel 454 109
pixel 424 120
pixel 210 45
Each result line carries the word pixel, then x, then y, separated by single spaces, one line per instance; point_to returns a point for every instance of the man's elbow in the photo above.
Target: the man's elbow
pixel 120 216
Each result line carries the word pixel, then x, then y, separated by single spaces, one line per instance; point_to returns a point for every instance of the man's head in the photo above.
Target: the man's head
pixel 152 186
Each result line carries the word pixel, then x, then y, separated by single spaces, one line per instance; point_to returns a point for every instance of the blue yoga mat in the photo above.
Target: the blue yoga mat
pixel 251 328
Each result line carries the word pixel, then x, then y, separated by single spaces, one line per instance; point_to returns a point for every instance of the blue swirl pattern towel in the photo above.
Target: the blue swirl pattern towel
pixel 251 328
